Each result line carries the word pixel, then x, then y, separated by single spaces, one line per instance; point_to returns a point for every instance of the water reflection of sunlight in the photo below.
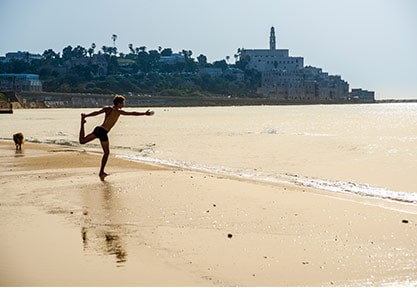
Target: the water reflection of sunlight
pixel 101 229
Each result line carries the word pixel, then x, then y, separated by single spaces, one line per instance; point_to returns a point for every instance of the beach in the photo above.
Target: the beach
pixel 153 225
pixel 321 195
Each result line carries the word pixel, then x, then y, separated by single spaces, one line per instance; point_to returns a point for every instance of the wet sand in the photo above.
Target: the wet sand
pixel 150 225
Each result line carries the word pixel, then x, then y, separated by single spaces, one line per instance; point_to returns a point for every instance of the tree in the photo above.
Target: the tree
pixel 114 37
pixel 220 64
pixel 187 53
pixel 236 56
pixel 67 53
pixel 79 52
pixel 154 56
pixel 106 50
pixel 202 60
pixel 50 55
pixel 131 48
pixel 166 52
pixel 243 61
pixel 91 49
pixel 139 71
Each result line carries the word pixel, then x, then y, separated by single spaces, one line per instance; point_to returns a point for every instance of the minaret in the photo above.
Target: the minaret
pixel 272 39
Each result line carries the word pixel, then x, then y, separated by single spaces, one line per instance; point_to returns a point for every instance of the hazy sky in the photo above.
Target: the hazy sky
pixel 372 44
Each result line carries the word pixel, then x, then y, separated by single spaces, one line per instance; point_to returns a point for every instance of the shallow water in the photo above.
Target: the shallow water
pixel 368 150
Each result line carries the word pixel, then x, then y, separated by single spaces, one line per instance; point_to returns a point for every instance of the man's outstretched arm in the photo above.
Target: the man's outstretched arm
pixel 95 113
pixel 147 113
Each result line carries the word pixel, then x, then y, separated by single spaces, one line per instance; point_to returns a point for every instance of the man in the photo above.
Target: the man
pixel 111 116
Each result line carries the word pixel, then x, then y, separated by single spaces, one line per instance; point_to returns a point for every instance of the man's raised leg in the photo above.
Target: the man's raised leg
pixel 82 138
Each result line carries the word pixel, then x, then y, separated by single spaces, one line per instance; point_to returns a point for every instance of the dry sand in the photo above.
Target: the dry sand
pixel 157 226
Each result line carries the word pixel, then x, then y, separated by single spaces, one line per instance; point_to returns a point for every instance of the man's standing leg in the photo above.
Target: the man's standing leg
pixel 82 131
pixel 106 152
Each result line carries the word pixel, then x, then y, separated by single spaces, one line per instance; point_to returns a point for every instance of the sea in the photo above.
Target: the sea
pixel 365 150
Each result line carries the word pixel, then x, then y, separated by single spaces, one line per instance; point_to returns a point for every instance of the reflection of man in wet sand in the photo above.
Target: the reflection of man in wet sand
pixel 104 209
pixel 111 116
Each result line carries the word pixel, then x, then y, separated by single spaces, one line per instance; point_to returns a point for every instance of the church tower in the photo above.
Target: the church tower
pixel 272 39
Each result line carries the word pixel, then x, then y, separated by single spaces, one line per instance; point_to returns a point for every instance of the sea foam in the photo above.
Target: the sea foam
pixel 351 188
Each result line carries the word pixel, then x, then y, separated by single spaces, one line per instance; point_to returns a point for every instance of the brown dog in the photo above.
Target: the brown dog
pixel 18 140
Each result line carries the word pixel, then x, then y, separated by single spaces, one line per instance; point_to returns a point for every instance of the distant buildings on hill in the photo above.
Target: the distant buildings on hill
pixel 285 78
pixel 20 82
pixel 20 56
pixel 172 59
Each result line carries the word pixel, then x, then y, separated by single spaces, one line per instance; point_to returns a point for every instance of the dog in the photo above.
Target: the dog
pixel 18 140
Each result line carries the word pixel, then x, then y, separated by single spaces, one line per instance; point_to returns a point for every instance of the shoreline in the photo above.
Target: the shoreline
pixel 196 228
pixel 46 100
pixel 85 100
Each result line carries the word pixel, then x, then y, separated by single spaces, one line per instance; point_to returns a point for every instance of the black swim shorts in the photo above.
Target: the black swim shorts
pixel 101 134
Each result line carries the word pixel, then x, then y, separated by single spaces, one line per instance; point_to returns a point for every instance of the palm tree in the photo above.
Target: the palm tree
pixel 91 49
pixel 202 60
pixel 236 57
pixel 114 37
pixel 106 50
pixel 131 48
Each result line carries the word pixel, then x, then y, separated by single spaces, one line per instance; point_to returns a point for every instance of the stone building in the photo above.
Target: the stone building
pixel 364 96
pixel 284 77
pixel 264 60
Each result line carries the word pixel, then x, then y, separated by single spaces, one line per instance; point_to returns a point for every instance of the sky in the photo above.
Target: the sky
pixel 372 44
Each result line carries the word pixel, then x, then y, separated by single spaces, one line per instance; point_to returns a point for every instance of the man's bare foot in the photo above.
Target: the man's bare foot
pixel 103 175
pixel 83 118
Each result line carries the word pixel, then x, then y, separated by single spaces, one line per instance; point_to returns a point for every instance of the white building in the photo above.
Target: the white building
pixel 360 95
pixel 172 59
pixel 21 56
pixel 285 77
pixel 269 59
pixel 20 82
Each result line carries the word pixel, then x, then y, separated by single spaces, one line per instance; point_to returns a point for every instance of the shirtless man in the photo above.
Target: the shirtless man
pixel 111 116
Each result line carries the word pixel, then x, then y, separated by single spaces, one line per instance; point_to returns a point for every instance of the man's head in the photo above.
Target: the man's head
pixel 118 99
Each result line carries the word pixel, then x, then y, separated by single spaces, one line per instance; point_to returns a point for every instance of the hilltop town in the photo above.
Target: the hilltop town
pixel 81 77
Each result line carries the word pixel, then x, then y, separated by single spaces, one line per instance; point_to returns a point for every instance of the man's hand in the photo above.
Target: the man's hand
pixel 149 113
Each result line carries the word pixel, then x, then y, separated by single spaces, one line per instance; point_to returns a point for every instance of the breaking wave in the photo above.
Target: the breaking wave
pixel 284 178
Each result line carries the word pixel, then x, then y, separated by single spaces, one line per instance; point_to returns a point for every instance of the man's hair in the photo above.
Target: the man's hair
pixel 118 99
